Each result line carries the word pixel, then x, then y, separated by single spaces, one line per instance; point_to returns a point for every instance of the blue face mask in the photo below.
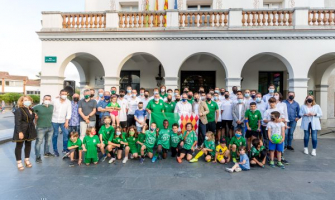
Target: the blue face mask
pixel 175 94
pixel 240 101
pixel 156 99
pixel 215 98
pixel 237 135
pixel 155 92
pixel 107 97
pixel 118 133
pixel 246 95
pixel 152 129
pixel 27 103
pixel 184 100
pixel 258 99
pixel 133 95
pixel 271 90
pixel 128 91
pixel 217 91
pixel 142 94
pixel 101 95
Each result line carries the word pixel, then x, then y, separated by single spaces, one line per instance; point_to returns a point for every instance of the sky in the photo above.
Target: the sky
pixel 20 47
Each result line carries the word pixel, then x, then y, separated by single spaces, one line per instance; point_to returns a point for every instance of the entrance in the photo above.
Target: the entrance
pixel 130 78
pixel 267 78
pixel 196 79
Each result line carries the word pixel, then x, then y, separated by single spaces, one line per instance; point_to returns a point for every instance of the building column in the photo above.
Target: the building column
pixel 230 82
pixel 112 81
pixel 299 87
pixel 321 98
pixel 171 82
pixel 51 85
pixel 82 85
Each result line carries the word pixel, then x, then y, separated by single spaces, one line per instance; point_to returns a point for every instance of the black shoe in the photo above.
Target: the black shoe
pixel 56 153
pixel 38 159
pixel 290 148
pixel 285 147
pixel 71 164
pixel 285 162
pixel 47 155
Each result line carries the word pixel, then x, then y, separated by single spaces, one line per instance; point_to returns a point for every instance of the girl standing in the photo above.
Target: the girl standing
pixel 90 144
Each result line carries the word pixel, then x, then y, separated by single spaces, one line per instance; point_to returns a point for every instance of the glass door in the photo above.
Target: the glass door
pixel 267 78
pixel 196 79
pixel 130 78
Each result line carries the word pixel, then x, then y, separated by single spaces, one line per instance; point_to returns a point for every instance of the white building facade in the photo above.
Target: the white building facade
pixel 211 43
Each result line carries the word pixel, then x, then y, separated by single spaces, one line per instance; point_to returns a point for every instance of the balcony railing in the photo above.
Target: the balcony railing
pixel 298 18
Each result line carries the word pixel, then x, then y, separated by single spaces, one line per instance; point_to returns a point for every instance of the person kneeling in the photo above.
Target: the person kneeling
pixel 190 140
pixel 222 153
pixel 150 141
pixel 207 148
pixel 73 145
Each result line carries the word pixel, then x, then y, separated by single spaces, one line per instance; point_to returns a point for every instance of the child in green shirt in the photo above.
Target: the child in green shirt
pixel 189 141
pixel 235 143
pixel 176 138
pixel 207 148
pixel 258 153
pixel 150 141
pixel 131 147
pixel 105 133
pixel 254 118
pixel 90 144
pixel 73 144
pixel 117 144
pixel 163 144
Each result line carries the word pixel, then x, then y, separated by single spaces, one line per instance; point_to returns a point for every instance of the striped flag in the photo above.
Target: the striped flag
pixel 156 16
pixel 166 6
pixel 147 9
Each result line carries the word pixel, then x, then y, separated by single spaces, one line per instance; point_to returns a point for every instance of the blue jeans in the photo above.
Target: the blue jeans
pixel 43 133
pixel 74 128
pixel 312 132
pixel 56 127
pixel 289 132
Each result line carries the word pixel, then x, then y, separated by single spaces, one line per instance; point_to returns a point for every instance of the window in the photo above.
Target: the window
pixel 129 6
pixel 196 79
pixel 130 78
pixel 267 78
pixel 7 83
pixel 272 4
pixel 198 7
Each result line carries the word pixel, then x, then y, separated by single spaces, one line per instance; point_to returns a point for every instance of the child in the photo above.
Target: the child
pixel 276 127
pixel 90 144
pixel 117 145
pixel 235 143
pixel 243 164
pixel 207 148
pixel 106 132
pixel 140 140
pixel 140 117
pixel 150 141
pixel 176 138
pixel 258 153
pixel 163 143
pixel 190 140
pixel 254 118
pixel 74 144
pixel 115 107
pixel 222 153
pixel 132 141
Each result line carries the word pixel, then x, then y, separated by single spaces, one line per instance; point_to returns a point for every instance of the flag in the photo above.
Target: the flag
pixel 166 6
pixel 175 4
pixel 181 120
pixel 156 16
pixel 147 9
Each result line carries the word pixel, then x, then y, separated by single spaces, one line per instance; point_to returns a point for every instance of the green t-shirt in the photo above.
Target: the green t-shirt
pixel 190 100
pixel 210 144
pixel 44 115
pixel 132 142
pixel 169 107
pixel 150 139
pixel 253 118
pixel 163 95
pixel 156 107
pixel 164 138
pixel 77 143
pixel 141 137
pixel 189 140
pixel 212 107
pixel 175 139
pixel 106 133
pixel 113 105
pixel 91 146
pixel 255 152
pixel 237 142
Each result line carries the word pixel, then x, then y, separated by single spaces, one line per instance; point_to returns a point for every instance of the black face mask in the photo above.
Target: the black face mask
pixel 309 100
pixel 291 97
pixel 234 91
pixel 253 96
pixel 177 100
pixel 201 91
pixel 146 96
pixel 208 99
pixel 196 100
pixel 121 95
pixel 169 100
pixel 222 93
pixel 273 119
pixel 226 96
pixel 92 95
pixel 189 96
pixel 75 99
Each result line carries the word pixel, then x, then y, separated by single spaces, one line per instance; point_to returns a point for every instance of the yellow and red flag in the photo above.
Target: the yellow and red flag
pixel 156 15
pixel 147 9
pixel 166 6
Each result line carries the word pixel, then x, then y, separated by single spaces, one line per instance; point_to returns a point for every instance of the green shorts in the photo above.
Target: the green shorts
pixel 91 160
pixel 133 149
pixel 149 150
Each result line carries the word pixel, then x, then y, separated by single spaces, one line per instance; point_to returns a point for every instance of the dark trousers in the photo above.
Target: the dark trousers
pixel 202 133
pixel 18 149
pixel 211 126
pixel 174 151
pixel 130 120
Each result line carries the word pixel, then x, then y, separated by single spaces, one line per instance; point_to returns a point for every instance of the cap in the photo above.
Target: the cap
pixel 223 140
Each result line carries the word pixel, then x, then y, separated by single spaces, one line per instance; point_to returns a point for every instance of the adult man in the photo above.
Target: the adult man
pixel 169 104
pixel 114 91
pixel 141 96
pixel 156 91
pixel 74 122
pixel 101 106
pixel 60 119
pixel 218 121
pixel 203 111
pixel 123 111
pixel 195 105
pixel 170 92
pixel 270 94
pixel 221 96
pixel 86 110
pixel 293 110
pixel 43 127
pixel 156 105
pixel 233 96
pixel 190 97
pixel 92 93
pixel 227 116
pixel 239 114
pixel 132 107
pixel 146 98
pixel 99 98
pixel 213 115
pixel 247 98
pixel 177 98
pixel 183 107
pixel 261 106
pixel 128 95
pixel 201 90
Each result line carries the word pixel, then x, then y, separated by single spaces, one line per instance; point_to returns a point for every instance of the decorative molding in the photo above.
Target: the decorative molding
pixel 192 38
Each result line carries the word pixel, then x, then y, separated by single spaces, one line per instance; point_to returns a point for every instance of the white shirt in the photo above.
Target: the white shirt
pixel 282 107
pixel 196 108
pixel 62 111
pixel 267 115
pixel 240 111
pixel 261 106
pixel 232 97
pixel 275 128
pixel 247 102
pixel 123 112
pixel 267 97
pixel 219 105
pixel 226 107
pixel 183 108
pixel 221 98
pixel 127 96
pixel 132 105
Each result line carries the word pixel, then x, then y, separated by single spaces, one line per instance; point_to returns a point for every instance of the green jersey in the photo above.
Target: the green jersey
pixel 253 118
pixel 77 143
pixel 189 140
pixel 175 139
pixel 44 115
pixel 91 146
pixel 113 105
pixel 190 100
pixel 255 152
pixel 210 144
pixel 107 133
pixel 164 138
pixel 150 139
pixel 237 142
pixel 141 137
pixel 156 107
pixel 212 107
pixel 132 141
pixel 169 107
pixel 163 95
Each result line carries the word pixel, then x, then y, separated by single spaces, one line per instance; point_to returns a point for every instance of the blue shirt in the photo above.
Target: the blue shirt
pixel 267 97
pixel 243 157
pixel 74 121
pixel 103 104
pixel 140 115
pixel 293 110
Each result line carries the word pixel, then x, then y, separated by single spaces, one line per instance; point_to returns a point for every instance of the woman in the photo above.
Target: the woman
pixel 24 130
pixel 311 114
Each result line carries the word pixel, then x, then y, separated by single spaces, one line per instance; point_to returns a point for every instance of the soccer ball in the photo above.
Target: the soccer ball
pixel 276 138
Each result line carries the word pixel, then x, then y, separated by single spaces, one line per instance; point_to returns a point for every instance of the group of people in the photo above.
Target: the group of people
pixel 237 126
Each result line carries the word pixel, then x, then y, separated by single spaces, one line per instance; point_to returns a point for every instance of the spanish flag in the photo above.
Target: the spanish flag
pixel 156 16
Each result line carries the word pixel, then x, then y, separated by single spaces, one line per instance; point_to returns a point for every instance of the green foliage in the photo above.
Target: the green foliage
pixel 36 98
pixel 11 97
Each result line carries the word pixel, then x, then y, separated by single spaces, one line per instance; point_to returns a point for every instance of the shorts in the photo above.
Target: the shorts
pixel 123 124
pixel 221 157
pixel 252 133
pixel 276 147
pixel 186 151
pixel 121 148
pixel 73 150
pixel 218 125
pixel 228 123
pixel 91 160
pixel 242 167
pixel 115 113
pixel 133 149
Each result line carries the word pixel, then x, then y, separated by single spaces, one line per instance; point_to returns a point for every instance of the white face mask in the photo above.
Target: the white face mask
pixel 206 137
pixel 63 97
pixel 47 102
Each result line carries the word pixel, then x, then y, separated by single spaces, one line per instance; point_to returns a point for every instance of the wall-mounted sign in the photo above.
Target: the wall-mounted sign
pixel 50 59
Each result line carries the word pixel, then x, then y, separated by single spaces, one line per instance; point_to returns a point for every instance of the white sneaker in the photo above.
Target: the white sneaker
pixel 313 152
pixel 238 169
pixel 124 160
pixel 229 170
pixel 111 160
pixel 306 151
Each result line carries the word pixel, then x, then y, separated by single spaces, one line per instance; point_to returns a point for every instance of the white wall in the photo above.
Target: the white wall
pixel 309 3
pixel 329 3
pixel 97 5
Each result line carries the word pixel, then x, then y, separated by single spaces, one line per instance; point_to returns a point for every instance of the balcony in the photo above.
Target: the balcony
pixel 231 19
